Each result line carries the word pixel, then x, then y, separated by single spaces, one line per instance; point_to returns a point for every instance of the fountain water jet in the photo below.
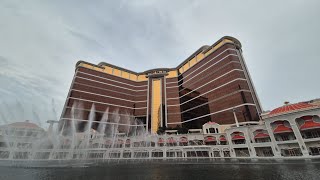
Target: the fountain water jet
pixel 112 137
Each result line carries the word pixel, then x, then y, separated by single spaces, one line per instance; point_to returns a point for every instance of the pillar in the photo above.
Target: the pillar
pixel 252 150
pixel 274 146
pixel 232 152
pixel 299 138
pixel 184 153
pixel 132 154
pixel 105 154
pixel 221 153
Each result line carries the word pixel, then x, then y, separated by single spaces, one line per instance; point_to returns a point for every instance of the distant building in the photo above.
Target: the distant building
pixel 16 139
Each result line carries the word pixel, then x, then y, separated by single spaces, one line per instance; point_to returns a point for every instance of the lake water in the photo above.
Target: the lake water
pixel 170 170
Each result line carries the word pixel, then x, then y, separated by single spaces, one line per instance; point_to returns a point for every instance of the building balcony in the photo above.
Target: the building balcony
pixel 312 139
pixel 262 144
pixel 287 141
pixel 240 145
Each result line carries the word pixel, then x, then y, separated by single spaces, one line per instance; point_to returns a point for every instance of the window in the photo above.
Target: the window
pixel 312 134
pixel 239 141
pixel 223 142
pixel 226 153
pixel 262 140
pixel 315 150
pixel 284 138
pixel 212 130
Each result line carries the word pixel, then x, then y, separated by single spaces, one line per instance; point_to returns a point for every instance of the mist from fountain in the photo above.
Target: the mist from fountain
pixel 3 118
pixel 9 113
pixel 53 109
pixel 35 116
pixel 20 109
pixel 111 138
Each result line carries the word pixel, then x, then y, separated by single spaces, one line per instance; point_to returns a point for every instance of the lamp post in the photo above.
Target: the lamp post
pixel 235 116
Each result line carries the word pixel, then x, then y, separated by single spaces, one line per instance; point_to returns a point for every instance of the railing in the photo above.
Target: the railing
pixel 102 153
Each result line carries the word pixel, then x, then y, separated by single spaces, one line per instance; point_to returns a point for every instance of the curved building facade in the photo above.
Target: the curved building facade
pixel 213 84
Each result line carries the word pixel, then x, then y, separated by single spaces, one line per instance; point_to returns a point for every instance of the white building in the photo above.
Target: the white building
pixel 291 131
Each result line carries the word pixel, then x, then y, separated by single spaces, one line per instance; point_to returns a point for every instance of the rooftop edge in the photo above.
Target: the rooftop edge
pixel 203 49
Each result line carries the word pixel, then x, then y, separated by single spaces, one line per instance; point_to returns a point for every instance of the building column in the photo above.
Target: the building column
pixel 104 154
pixel 156 104
pixel 147 119
pixel 165 102
pixel 184 154
pixel 274 146
pixel 13 150
pixel 221 152
pixel 232 151
pixel 299 138
pixel 252 150
pixel 210 152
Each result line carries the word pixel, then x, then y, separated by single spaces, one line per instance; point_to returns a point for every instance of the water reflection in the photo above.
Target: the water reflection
pixel 169 171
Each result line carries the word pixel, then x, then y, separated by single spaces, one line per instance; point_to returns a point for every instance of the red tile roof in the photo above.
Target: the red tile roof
pixel 281 128
pixel 25 124
pixel 209 139
pixel 261 135
pixel 309 124
pixel 171 141
pixel 211 122
pixel 237 137
pixel 223 139
pixel 160 141
pixel 291 108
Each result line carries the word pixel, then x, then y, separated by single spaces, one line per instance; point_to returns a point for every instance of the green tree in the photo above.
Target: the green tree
pixel 161 130
pixel 182 130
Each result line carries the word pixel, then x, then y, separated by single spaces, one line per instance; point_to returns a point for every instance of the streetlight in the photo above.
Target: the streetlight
pixel 235 116
pixel 51 122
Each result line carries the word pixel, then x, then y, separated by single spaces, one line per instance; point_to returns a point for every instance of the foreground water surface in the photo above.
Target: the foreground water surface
pixel 187 171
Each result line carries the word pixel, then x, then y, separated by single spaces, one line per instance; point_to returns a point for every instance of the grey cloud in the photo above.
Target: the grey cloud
pixel 3 61
pixel 41 42
pixel 87 40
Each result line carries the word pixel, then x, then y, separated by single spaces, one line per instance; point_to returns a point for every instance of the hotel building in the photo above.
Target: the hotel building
pixel 213 84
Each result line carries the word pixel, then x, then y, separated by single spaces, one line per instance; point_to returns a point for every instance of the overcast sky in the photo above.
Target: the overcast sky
pixel 40 42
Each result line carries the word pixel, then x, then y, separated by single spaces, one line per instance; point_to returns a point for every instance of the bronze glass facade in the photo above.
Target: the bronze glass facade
pixel 208 86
